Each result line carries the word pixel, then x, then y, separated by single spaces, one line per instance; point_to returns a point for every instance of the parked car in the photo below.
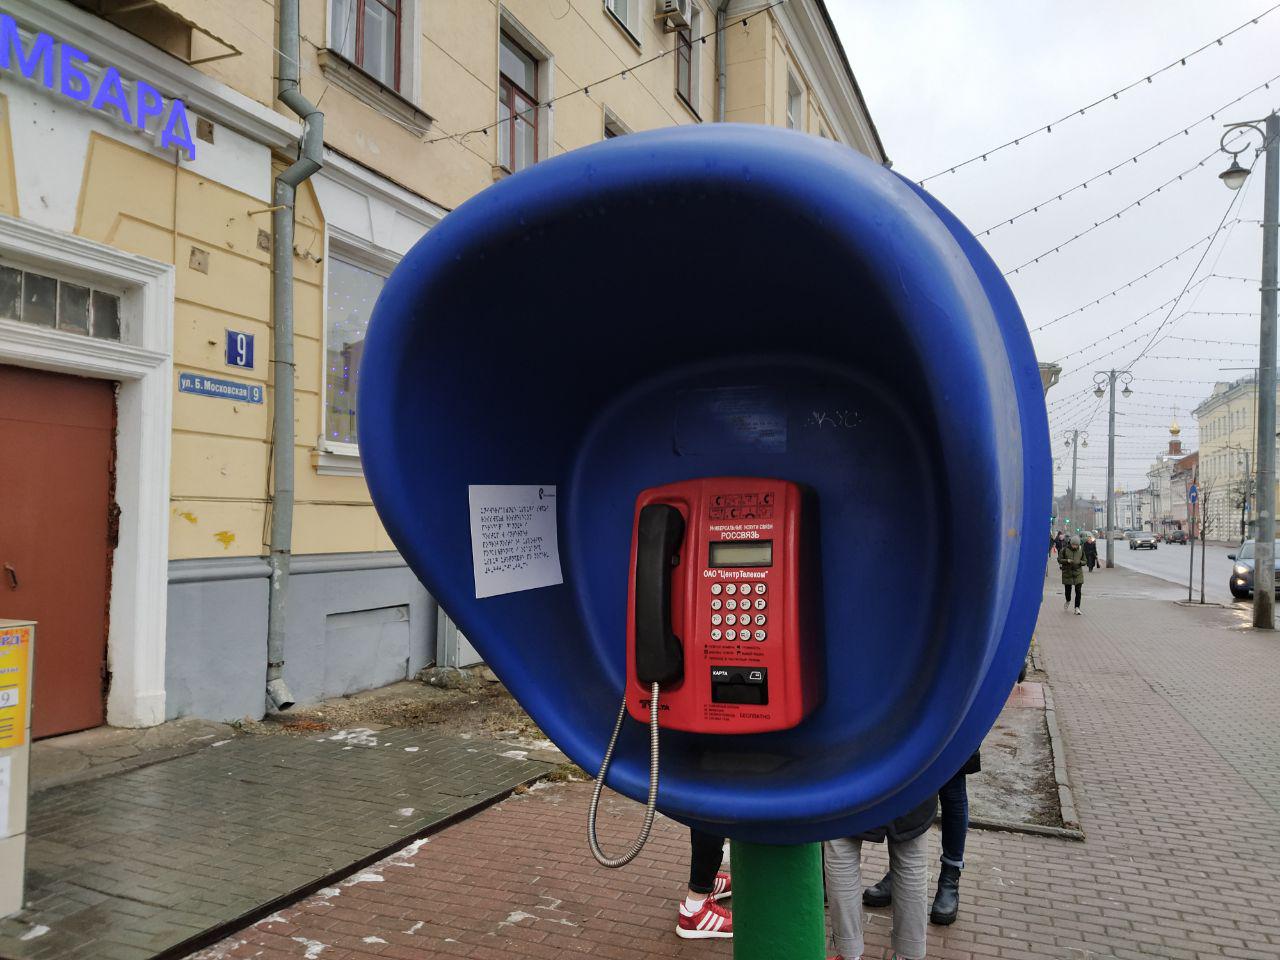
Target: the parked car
pixel 1176 536
pixel 1241 581
pixel 1142 540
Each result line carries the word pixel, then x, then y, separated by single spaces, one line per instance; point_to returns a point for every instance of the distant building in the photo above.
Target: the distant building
pixel 1228 452
pixel 1180 481
pixel 1159 494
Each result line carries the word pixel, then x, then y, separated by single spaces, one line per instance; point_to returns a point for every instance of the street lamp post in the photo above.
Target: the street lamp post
pixel 1101 380
pixel 1264 612
pixel 1073 439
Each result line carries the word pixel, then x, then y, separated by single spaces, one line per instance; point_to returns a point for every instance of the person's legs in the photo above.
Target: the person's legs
pixel 1079 587
pixel 955 826
pixel 954 800
pixel 908 861
pixel 842 865
pixel 1067 590
pixel 706 852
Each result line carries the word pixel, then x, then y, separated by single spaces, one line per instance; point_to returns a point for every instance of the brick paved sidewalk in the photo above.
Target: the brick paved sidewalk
pixel 1170 717
pixel 127 866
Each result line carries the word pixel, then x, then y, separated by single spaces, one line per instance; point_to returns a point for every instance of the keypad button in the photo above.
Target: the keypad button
pixel 760 619
pixel 732 604
pixel 761 588
pixel 731 588
pixel 716 619
pixel 730 619
pixel 716 603
pixel 731 634
pixel 760 603
pixel 760 634
pixel 716 588
pixel 716 634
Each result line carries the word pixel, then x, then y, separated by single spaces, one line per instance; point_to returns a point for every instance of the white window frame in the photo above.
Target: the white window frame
pixel 142 363
pixel 546 84
pixel 613 122
pixel 629 22
pixel 795 94
pixel 335 458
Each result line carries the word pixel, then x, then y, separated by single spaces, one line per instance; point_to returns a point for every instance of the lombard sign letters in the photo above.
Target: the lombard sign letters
pixel 67 70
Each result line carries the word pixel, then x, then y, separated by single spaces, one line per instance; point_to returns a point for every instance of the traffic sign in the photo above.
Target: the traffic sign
pixel 1193 493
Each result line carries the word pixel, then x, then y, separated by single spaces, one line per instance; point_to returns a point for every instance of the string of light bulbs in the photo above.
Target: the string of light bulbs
pixel 1114 95
pixel 1115 216
pixel 1084 184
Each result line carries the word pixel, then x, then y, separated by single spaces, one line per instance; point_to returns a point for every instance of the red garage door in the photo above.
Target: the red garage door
pixel 57 445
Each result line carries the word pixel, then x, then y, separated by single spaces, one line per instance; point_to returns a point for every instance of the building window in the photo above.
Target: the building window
pixel 688 60
pixel 613 126
pixel 626 13
pixel 49 302
pixel 352 291
pixel 795 102
pixel 517 106
pixel 367 32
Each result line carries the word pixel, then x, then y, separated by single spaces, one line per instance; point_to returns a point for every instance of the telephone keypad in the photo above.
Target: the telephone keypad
pixel 716 589
pixel 760 603
pixel 716 619
pixel 716 603
pixel 731 588
pixel 732 604
pixel 760 588
pixel 731 634
pixel 760 634
pixel 716 634
pixel 760 619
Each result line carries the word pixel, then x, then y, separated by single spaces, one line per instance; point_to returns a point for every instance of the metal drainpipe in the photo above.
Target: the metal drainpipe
pixel 310 159
pixel 722 73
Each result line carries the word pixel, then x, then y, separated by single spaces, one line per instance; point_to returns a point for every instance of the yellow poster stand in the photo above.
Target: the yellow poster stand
pixel 17 662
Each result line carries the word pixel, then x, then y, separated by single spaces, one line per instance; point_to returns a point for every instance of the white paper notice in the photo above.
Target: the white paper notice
pixel 5 780
pixel 513 538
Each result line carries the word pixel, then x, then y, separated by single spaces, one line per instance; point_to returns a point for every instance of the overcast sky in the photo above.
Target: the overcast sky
pixel 946 80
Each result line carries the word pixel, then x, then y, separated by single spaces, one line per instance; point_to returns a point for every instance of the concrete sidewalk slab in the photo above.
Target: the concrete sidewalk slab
pixel 129 866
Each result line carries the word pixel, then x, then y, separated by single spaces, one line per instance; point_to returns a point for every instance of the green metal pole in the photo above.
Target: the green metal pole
pixel 777 902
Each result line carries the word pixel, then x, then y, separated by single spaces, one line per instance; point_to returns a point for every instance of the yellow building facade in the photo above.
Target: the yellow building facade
pixel 1228 433
pixel 164 223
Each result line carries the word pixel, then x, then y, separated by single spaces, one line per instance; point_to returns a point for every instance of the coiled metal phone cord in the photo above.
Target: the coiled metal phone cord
pixel 651 806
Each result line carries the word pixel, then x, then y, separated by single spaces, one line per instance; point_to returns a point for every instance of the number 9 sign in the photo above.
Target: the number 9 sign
pixel 239 349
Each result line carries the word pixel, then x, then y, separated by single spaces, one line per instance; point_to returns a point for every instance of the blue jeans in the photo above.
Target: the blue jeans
pixel 955 820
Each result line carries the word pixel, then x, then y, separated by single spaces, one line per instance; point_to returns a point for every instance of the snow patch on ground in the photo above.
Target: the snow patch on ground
pixel 373 940
pixel 314 947
pixel 405 811
pixel 274 918
pixel 515 916
pixel 515 754
pixel 363 878
pixel 37 930
pixel 416 927
pixel 358 736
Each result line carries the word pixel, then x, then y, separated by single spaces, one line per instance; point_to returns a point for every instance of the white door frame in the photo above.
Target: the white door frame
pixel 142 363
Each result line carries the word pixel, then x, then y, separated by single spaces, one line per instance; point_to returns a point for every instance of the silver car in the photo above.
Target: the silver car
pixel 1143 540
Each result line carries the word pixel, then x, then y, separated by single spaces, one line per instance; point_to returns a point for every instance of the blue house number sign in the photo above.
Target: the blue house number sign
pixel 239 349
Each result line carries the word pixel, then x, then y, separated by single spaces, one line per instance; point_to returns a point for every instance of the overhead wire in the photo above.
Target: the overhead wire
pixel 1114 95
pixel 1084 184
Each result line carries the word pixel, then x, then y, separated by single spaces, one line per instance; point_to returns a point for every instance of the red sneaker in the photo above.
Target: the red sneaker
pixel 722 889
pixel 710 921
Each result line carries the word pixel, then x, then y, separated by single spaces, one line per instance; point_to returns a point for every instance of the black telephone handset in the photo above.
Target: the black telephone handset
pixel 658 651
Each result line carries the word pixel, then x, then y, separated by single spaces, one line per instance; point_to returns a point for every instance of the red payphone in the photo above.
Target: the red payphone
pixel 722 616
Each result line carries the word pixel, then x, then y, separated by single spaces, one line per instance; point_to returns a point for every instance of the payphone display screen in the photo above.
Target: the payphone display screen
pixel 742 553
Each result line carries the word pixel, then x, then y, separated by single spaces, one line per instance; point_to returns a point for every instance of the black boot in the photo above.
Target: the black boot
pixel 946 902
pixel 881 895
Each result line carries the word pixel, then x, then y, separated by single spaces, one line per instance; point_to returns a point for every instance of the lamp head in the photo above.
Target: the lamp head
pixel 1098 391
pixel 1234 176
pixel 1126 392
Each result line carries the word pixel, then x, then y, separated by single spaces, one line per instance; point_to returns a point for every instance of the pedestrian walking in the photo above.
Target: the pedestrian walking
pixel 1071 561
pixel 700 916
pixel 908 839
pixel 1091 552
pixel 954 801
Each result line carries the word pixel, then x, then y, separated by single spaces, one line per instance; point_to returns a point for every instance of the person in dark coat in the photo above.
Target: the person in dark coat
pixel 954 799
pixel 1071 561
pixel 908 855
pixel 1090 553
